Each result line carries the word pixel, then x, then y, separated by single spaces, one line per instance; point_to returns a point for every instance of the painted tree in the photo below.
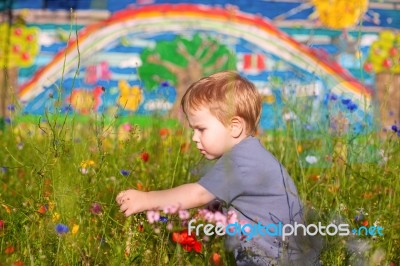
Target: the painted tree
pixel 18 48
pixel 384 61
pixel 183 61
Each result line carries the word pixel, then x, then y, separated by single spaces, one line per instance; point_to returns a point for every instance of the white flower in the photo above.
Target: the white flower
pixel 311 159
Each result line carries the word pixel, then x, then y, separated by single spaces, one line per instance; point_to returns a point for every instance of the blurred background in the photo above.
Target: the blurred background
pixel 323 64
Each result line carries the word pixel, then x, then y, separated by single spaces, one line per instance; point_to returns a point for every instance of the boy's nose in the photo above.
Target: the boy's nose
pixel 195 138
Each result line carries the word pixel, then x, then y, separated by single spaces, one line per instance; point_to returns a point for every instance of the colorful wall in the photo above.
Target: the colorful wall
pixel 137 59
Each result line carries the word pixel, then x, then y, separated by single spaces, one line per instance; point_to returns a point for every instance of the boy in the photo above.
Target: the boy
pixel 224 110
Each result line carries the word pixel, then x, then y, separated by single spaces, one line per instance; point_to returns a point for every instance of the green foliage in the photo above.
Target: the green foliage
pixel 181 52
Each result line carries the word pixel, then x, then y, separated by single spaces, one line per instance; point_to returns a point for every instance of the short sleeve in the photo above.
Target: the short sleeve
pixel 223 179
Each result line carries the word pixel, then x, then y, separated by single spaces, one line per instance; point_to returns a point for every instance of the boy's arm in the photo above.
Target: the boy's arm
pixel 185 197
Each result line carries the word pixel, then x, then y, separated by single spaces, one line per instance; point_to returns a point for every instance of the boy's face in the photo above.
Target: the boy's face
pixel 212 138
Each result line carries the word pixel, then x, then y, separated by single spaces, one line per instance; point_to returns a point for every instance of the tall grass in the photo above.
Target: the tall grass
pixel 63 172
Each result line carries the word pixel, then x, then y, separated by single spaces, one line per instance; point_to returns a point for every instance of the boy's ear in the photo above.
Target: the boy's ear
pixel 237 126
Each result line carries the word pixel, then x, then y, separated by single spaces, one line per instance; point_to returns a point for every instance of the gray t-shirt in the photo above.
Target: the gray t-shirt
pixel 253 183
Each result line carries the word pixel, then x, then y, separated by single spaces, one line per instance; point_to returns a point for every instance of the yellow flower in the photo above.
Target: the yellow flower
pixel 55 217
pixel 75 229
pixel 87 163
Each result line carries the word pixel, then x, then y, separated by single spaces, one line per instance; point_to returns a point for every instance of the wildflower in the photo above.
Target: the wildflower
pixel 139 186
pixel 153 216
pixel 96 208
pixel 9 249
pixel 299 148
pixel 359 217
pixel 18 263
pixel 163 219
pixel 144 156
pixel 55 217
pixel 352 107
pixel 220 218
pixel 314 177
pixel 333 97
pixel 183 214
pixel 2 224
pixel 170 226
pixel 216 259
pixel 67 109
pixel 87 164
pixel 394 128
pixel 61 229
pixel 7 120
pixel 42 209
pixel 11 107
pixel 346 101
pixel 187 241
pixel 124 172
pixel 398 133
pixel 75 229
pixel 364 223
pixel 311 159
pixel 164 132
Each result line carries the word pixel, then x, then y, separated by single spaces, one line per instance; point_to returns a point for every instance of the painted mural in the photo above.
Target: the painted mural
pixel 140 60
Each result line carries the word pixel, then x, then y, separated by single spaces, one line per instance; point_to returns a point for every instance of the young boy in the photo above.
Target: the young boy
pixel 224 110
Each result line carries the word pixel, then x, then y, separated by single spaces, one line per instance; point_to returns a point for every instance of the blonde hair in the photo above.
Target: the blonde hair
pixel 226 94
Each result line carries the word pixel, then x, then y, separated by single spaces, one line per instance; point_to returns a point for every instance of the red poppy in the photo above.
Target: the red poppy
pixel 187 241
pixel 9 250
pixel 216 259
pixel 164 132
pixel 42 209
pixel 1 224
pixel 364 223
pixel 144 156
pixel 19 263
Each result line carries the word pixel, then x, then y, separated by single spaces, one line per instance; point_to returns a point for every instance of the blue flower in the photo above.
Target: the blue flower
pixel 3 169
pixel 308 127
pixel 163 219
pixel 352 107
pixel 359 217
pixel 7 120
pixel 346 101
pixel 11 107
pixel 62 229
pixel 398 133
pixel 67 109
pixel 333 97
pixel 124 172
pixel 394 128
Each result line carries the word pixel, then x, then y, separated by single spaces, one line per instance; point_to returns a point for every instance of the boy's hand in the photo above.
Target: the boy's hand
pixel 131 201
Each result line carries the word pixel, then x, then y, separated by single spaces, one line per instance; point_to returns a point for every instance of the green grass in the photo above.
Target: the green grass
pixel 43 185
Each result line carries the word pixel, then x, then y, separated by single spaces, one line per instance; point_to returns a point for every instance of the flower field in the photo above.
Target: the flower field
pixel 60 175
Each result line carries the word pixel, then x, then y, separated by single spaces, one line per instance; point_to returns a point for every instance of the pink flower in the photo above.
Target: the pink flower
pixel 153 216
pixel 184 214
pixel 220 218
